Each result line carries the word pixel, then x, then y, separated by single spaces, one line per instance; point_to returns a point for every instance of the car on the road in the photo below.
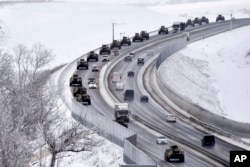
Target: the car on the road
pixel 171 118
pixel 95 68
pixel 128 58
pixel 115 52
pixel 91 79
pixel 92 85
pixel 161 140
pixel 119 86
pixel 140 61
pixel 208 140
pixel 144 98
pixel 131 73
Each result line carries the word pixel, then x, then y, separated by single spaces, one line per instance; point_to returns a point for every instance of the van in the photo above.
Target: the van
pixel 208 140
pixel 116 77
pixel 129 95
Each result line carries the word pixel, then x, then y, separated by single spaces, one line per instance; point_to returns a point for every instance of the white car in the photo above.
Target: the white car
pixel 119 86
pixel 161 140
pixel 95 68
pixel 171 118
pixel 92 85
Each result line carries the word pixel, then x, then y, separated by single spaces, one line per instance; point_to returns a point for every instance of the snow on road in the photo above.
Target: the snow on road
pixel 214 73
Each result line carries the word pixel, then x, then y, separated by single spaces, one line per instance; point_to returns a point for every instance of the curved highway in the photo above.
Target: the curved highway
pixel 152 112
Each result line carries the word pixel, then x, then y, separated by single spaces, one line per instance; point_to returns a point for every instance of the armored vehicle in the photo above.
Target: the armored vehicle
pixel 220 18
pixel 196 21
pixel 137 37
pixel 79 91
pixel 75 81
pixel 122 113
pixel 82 64
pixel 84 99
pixel 115 44
pixel 208 141
pixel 189 23
pixel 204 20
pixel 105 49
pixel 129 95
pixel 174 154
pixel 178 26
pixel 125 41
pixel 163 30
pixel 92 56
pixel 140 61
pixel 144 35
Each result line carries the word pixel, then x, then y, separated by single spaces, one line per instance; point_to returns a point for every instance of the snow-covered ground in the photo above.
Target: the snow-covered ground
pixel 72 28
pixel 214 73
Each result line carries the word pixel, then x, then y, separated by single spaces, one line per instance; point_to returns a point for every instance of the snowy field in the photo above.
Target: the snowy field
pixel 214 73
pixel 72 28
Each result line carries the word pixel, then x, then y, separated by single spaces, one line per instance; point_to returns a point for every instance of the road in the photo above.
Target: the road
pixel 152 112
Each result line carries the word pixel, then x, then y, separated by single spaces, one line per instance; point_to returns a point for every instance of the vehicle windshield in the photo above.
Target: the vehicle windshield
pixel 162 137
pixel 123 112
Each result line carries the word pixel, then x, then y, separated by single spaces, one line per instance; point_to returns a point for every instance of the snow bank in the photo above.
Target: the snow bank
pixel 214 74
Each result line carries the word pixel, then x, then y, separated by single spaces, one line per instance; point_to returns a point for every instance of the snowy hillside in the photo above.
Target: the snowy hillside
pixel 214 73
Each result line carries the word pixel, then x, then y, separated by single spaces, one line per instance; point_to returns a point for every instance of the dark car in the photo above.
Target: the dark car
pixel 144 98
pixel 129 95
pixel 128 58
pixel 140 61
pixel 131 73
pixel 208 141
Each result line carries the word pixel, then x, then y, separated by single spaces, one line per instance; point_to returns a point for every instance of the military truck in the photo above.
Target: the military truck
pixel 92 56
pixel 84 99
pixel 140 61
pixel 178 26
pixel 196 21
pixel 115 44
pixel 220 18
pixel 82 64
pixel 125 41
pixel 144 35
pixel 122 113
pixel 189 23
pixel 105 49
pixel 174 154
pixel 163 30
pixel 75 81
pixel 79 91
pixel 204 20
pixel 137 37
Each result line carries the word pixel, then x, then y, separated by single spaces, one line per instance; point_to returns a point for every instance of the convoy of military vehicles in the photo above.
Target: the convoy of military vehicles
pixel 121 110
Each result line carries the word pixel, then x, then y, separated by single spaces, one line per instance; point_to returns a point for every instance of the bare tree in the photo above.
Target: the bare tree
pixel 26 101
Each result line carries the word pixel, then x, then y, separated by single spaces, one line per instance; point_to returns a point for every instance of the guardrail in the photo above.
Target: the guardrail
pixel 107 128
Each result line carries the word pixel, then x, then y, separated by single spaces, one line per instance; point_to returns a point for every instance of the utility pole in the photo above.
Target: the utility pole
pixel 113 29
pixel 231 25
